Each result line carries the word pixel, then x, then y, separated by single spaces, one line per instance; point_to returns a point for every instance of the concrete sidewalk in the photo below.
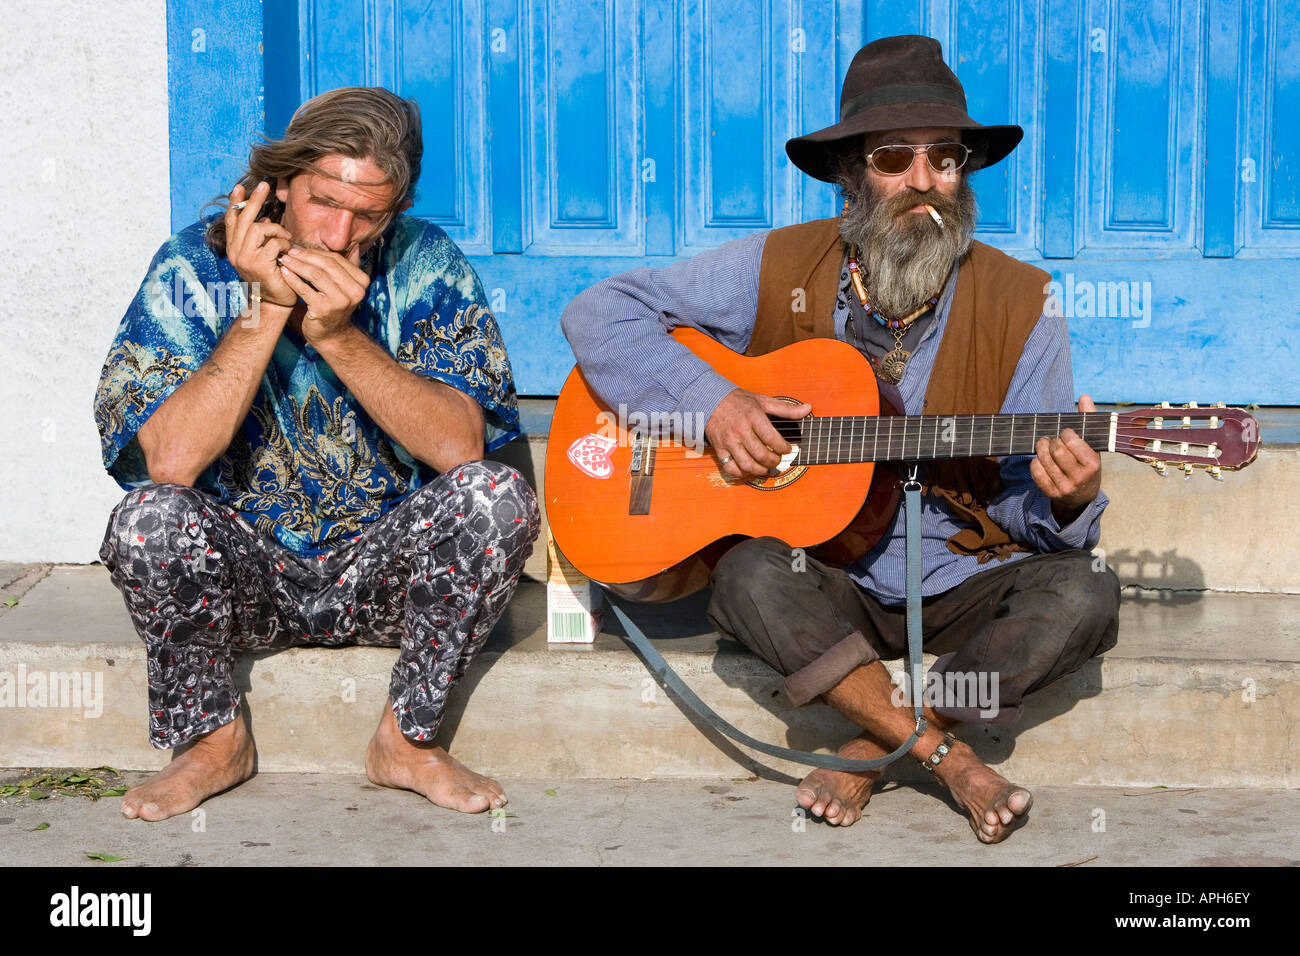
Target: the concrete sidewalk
pixel 313 820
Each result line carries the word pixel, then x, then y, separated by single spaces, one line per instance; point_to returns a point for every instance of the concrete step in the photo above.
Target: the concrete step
pixel 1156 533
pixel 1202 691
pixel 344 820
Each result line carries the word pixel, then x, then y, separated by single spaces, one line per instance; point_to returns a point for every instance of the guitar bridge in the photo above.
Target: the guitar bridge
pixel 642 474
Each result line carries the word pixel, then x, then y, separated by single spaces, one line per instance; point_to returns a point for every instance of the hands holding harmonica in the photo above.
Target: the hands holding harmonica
pixel 282 273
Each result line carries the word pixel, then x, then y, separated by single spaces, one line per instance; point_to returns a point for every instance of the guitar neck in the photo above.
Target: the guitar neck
pixel 850 438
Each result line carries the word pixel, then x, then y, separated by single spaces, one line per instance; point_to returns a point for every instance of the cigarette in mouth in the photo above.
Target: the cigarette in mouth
pixel 934 214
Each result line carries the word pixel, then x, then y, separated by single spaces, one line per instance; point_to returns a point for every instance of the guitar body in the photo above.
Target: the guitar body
pixel 651 517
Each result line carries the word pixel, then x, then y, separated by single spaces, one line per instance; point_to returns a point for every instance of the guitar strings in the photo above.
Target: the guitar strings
pixel 847 436
pixel 675 455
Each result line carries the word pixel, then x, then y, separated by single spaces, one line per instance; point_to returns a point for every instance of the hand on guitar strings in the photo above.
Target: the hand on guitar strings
pixel 741 436
pixel 1067 470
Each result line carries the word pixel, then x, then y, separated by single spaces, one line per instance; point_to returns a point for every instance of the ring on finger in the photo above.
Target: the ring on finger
pixel 726 461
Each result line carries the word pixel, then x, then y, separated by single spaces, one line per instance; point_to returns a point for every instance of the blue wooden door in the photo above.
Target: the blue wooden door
pixel 567 140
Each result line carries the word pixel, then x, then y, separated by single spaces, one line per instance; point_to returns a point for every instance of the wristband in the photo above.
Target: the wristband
pixel 257 297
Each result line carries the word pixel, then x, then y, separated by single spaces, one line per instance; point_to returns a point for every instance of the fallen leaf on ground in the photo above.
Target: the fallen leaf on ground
pixel 80 782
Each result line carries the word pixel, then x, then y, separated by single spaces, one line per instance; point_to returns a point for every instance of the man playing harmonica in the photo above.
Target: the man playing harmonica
pixel 299 398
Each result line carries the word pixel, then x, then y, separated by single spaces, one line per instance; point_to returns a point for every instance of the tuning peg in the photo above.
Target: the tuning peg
pixel 1191 405
pixel 1159 466
pixel 1216 474
pixel 1188 468
pixel 1165 405
pixel 1220 405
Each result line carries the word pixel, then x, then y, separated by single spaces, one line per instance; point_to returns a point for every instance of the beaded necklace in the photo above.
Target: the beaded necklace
pixel 893 362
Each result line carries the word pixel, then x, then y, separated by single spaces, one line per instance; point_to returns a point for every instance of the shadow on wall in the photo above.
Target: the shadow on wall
pixel 1165 577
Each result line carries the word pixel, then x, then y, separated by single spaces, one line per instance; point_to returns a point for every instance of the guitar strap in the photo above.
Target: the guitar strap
pixel 668 678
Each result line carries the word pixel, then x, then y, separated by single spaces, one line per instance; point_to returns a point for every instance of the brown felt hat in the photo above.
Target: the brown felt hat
pixel 900 83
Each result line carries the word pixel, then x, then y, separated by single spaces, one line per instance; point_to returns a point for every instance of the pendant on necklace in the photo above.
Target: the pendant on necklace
pixel 892 364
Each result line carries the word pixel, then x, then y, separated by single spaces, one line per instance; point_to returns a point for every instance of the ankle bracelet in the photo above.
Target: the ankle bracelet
pixel 941 751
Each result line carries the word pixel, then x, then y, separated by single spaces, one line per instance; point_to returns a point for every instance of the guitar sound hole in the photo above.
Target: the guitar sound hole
pixel 786 428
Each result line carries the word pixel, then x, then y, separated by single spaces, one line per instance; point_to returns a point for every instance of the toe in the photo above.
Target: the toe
pixel 833 812
pixel 806 796
pixel 1020 801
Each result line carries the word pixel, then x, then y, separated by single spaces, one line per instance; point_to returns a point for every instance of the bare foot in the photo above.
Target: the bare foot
pixel 993 802
pixel 394 761
pixel 214 762
pixel 838 796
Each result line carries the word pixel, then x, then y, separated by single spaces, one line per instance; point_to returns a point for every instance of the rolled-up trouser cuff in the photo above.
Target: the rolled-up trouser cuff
pixel 813 680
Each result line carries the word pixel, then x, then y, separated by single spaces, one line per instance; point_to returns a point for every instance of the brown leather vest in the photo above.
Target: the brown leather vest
pixel 798 284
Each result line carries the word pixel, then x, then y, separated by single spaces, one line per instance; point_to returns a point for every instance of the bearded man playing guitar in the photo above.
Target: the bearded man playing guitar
pixel 1010 589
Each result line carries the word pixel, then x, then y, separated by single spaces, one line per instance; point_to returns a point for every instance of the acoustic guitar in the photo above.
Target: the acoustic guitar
pixel 635 508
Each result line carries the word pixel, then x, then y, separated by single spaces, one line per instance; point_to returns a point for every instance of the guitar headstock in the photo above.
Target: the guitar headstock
pixel 1212 437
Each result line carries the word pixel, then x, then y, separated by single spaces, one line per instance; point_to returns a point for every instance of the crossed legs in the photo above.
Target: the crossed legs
pixel 1022 624
pixel 432 576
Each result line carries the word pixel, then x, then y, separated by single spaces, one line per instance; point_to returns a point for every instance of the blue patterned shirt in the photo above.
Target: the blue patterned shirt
pixel 308 465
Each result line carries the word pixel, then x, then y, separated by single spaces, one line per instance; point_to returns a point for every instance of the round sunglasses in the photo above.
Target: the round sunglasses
pixel 893 160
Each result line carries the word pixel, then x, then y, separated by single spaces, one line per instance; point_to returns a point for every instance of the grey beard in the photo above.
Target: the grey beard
pixel 906 265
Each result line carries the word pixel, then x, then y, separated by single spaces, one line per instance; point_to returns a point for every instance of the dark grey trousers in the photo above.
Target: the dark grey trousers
pixel 1008 630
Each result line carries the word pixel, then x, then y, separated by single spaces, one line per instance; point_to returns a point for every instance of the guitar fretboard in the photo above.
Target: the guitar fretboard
pixel 849 438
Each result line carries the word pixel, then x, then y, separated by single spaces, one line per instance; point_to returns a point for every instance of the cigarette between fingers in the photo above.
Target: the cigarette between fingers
pixel 240 205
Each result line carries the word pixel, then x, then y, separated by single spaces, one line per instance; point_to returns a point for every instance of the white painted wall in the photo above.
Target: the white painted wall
pixel 83 207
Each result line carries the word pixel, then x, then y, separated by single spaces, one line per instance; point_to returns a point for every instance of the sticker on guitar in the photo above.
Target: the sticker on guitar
pixel 590 454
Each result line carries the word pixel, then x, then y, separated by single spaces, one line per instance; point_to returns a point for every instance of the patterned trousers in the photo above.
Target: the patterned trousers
pixel 431 577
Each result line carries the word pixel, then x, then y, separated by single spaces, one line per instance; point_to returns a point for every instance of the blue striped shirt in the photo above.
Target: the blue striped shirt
pixel 619 332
